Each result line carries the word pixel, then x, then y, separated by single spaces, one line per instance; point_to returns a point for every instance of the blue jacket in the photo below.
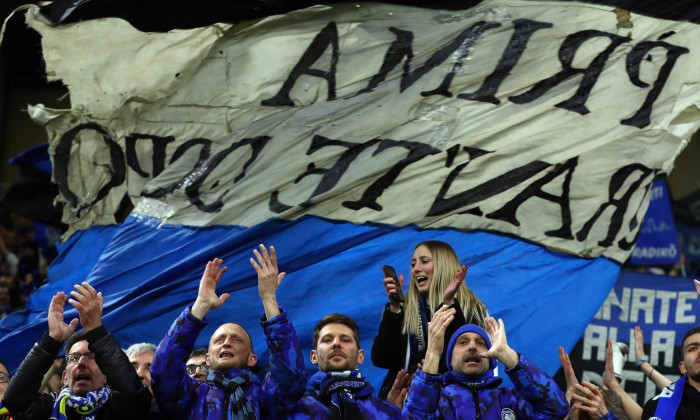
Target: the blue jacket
pixel 182 397
pixel 311 406
pixel 535 396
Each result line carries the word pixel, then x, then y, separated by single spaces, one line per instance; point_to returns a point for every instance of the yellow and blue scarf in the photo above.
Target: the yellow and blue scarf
pixel 86 406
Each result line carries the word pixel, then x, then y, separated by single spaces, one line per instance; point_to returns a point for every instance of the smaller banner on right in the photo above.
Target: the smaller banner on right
pixel 664 307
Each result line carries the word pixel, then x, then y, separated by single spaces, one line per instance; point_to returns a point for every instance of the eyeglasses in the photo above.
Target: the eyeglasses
pixel 74 358
pixel 4 377
pixel 191 369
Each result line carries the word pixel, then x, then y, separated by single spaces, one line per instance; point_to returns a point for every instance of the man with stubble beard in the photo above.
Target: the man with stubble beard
pixel 469 389
pixel 231 390
pixel 338 389
pixel 681 399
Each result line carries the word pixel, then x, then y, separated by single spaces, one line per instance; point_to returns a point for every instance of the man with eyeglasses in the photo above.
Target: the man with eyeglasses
pixel 93 357
pixel 231 390
pixel 4 379
pixel 196 365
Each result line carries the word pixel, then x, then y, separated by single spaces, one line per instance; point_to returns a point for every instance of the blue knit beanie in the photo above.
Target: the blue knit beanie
pixel 463 329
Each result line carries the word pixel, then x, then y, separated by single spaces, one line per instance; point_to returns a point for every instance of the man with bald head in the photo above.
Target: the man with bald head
pixel 230 390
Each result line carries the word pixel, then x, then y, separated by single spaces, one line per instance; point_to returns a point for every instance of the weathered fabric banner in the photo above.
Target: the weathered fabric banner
pixel 514 117
pixel 525 134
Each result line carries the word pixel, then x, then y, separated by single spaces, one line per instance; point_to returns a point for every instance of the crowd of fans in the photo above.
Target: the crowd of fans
pixel 26 250
pixel 447 372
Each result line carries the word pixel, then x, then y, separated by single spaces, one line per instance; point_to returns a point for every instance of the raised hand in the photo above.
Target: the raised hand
pixel 639 343
pixel 207 299
pixel 58 329
pixel 499 344
pixel 390 287
pixel 436 338
pixel 569 375
pixel 399 390
pixel 453 287
pixel 269 279
pixel 609 379
pixel 89 303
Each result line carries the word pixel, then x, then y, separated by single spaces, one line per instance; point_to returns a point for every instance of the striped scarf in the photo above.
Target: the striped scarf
pixel 240 406
pixel 86 406
pixel 342 389
pixel 670 399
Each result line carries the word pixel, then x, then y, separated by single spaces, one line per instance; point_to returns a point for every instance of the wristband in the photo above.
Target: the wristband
pixel 640 361
pixel 649 375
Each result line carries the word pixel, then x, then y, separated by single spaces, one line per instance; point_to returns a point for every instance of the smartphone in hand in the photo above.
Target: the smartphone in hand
pixel 390 272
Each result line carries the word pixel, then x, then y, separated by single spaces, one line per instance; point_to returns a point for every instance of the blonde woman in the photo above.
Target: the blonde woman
pixel 437 278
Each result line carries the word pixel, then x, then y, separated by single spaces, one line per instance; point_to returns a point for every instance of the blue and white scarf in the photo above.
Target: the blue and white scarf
pixel 669 400
pixel 342 389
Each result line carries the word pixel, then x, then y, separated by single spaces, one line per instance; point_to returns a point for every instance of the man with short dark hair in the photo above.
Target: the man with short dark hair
pixel 230 391
pixel 339 391
pixel 469 389
pixel 196 365
pixel 93 357
pixel 681 399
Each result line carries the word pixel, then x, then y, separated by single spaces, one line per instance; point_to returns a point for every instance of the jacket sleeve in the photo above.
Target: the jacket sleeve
pixel 541 397
pixel 423 397
pixel 113 362
pixel 390 345
pixel 284 385
pixel 22 397
pixel 129 395
pixel 173 389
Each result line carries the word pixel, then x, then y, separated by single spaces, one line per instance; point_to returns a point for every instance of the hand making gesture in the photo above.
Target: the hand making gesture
pixel 436 338
pixel 399 390
pixel 453 287
pixel 569 374
pixel 589 399
pixel 499 344
pixel 58 329
pixel 269 279
pixel 89 303
pixel 207 299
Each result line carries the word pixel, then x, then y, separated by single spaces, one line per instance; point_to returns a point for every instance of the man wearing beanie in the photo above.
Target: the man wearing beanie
pixel 469 389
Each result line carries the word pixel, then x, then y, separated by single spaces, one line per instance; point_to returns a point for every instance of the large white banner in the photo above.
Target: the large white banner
pixel 544 120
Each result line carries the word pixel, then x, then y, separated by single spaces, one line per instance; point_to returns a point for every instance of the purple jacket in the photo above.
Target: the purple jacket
pixel 312 406
pixel 182 397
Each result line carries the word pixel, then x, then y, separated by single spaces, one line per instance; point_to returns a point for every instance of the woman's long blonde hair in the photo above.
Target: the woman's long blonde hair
pixel 445 265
